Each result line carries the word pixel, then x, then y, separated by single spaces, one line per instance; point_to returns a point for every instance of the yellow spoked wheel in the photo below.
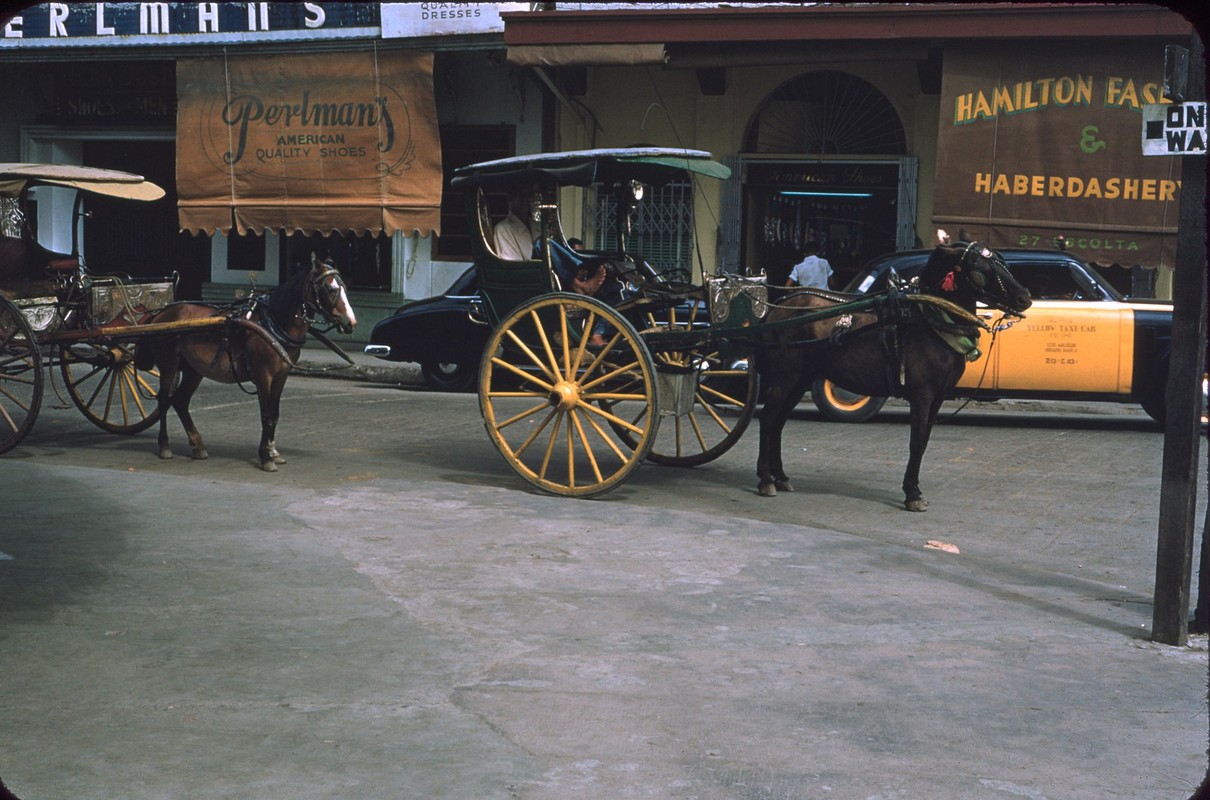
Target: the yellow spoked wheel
pixel 841 405
pixel 108 388
pixel 707 398
pixel 553 403
pixel 20 376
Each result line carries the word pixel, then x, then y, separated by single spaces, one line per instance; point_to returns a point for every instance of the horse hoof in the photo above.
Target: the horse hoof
pixel 766 490
pixel 916 505
pixel 201 455
pixel 278 458
pixel 783 485
pixel 165 453
pixel 268 466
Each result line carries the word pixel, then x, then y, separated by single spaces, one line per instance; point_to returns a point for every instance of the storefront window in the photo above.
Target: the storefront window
pixel 363 261
pixel 661 226
pixel 245 253
pixel 462 145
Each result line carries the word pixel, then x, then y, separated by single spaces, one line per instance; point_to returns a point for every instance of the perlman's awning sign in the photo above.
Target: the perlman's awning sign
pixel 1036 143
pixel 326 142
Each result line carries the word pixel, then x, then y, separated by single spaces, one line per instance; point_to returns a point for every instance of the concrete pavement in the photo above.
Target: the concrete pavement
pixel 247 636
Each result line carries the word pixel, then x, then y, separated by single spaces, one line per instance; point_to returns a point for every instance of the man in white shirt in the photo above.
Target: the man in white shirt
pixel 515 233
pixel 812 271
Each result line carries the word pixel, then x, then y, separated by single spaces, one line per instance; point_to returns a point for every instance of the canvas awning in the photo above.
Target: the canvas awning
pixel 572 55
pixel 322 143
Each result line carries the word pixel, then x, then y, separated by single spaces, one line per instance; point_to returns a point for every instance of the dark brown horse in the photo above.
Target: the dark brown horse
pixel 912 345
pixel 259 344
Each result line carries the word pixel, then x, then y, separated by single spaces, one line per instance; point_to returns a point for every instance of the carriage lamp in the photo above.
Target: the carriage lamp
pixel 636 190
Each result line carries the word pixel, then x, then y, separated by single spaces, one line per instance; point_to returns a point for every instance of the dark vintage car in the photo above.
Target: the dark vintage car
pixel 445 335
pixel 1080 340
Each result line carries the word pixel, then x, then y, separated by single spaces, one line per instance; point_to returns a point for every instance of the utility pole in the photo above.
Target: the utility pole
pixel 1186 365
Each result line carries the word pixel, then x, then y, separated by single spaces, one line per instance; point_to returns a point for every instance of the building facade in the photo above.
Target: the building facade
pixel 146 87
pixel 864 127
pixel 858 127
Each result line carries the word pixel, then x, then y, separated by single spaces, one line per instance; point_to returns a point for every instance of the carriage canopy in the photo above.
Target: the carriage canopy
pixel 16 177
pixel 653 165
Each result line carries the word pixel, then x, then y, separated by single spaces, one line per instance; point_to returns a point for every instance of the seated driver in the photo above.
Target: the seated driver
pixel 515 234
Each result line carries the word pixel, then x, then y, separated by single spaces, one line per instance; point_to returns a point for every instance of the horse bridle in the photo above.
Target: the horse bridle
pixel 969 258
pixel 311 303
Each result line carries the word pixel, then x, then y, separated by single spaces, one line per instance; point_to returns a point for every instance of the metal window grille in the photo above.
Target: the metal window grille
pixel 661 225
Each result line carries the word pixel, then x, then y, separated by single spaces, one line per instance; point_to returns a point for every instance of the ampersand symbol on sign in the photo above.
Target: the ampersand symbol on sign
pixel 1089 142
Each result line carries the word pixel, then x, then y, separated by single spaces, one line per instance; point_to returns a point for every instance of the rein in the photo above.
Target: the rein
pixel 310 307
pixel 270 330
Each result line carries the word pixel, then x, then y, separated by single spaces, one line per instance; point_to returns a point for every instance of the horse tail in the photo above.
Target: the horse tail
pixel 6 793
pixel 144 356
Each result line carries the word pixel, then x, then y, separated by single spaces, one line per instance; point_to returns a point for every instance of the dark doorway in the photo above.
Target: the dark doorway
pixel 827 123
pixel 136 238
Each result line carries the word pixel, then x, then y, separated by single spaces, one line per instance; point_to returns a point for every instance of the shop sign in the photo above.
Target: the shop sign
pixel 1174 129
pixel 122 24
pixel 1037 142
pixel 817 175
pixel 110 93
pixel 319 143
pixel 401 20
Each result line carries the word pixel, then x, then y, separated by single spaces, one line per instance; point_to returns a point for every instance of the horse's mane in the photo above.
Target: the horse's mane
pixel 288 297
pixel 940 261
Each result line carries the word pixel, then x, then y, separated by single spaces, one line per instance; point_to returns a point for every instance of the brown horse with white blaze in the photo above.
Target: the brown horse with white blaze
pixel 914 345
pixel 259 344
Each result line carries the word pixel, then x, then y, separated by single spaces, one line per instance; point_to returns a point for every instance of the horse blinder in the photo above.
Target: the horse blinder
pixel 981 260
pixel 321 288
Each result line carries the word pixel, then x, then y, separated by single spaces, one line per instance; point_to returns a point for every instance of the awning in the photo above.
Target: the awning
pixel 570 55
pixel 315 143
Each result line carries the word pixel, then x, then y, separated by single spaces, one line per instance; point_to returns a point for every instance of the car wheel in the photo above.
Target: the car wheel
pixel 450 376
pixel 840 405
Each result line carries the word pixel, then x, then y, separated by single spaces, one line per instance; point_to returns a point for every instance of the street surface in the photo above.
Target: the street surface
pixel 395 614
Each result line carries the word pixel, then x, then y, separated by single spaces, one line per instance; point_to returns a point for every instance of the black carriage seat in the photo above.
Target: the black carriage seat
pixel 504 284
pixel 567 262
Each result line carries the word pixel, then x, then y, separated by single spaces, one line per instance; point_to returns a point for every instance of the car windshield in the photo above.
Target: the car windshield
pixel 1057 278
pixel 466 284
pixel 874 277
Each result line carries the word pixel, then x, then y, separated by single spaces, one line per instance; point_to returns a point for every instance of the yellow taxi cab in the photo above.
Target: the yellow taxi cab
pixel 1081 340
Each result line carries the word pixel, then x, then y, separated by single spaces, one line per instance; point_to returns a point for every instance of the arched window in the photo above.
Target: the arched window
pixel 826 113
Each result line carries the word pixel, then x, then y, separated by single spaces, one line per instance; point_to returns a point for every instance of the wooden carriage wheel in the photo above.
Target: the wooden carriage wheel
pixel 553 404
pixel 20 376
pixel 108 388
pixel 717 391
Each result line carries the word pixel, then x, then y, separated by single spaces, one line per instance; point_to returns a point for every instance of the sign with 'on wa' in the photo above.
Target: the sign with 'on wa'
pixel 1174 129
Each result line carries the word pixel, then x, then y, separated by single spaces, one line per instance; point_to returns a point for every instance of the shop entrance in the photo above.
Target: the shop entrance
pixel 850 210
pixel 825 161
pixel 142 239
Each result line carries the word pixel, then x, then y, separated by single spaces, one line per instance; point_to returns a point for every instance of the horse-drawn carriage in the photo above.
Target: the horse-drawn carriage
pixel 576 390
pixel 55 313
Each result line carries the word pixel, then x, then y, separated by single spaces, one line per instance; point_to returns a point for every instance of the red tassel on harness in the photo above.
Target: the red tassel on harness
pixel 947 285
